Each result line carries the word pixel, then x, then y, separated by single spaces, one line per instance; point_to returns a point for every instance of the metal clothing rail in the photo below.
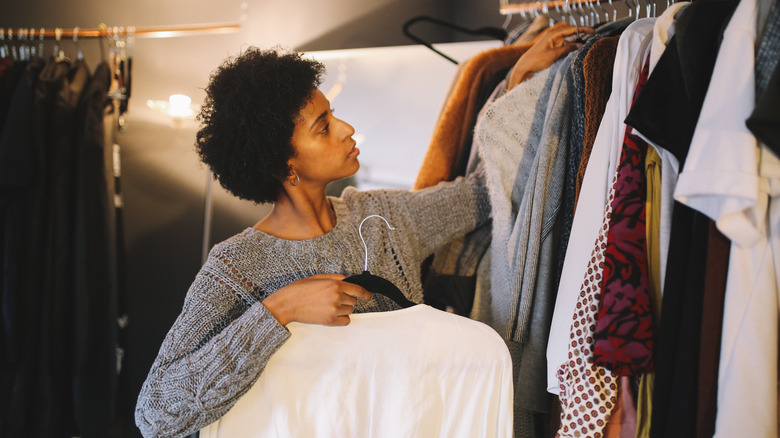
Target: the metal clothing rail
pixel 31 33
pixel 518 8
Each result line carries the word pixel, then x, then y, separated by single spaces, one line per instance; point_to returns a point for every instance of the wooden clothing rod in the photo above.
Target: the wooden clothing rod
pixel 32 33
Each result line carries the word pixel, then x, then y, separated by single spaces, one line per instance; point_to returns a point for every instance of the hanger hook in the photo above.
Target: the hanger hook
pixel 79 54
pixel 360 232
pixel 566 6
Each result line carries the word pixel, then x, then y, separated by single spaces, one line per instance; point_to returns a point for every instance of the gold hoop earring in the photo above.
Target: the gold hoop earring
pixel 297 181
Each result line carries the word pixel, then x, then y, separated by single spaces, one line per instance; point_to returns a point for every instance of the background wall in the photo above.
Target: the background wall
pixel 163 183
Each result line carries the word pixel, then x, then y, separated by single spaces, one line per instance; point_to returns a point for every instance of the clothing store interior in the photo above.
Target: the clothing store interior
pixel 624 283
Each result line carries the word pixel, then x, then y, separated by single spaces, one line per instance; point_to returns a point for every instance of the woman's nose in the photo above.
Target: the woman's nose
pixel 348 130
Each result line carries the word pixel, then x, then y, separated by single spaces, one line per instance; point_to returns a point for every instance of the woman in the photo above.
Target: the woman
pixel 269 135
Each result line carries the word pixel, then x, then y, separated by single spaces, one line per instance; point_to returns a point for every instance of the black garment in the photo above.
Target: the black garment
pixel 612 28
pixel 64 88
pixel 8 81
pixel 22 203
pixel 669 107
pixel 676 391
pixel 768 50
pixel 764 122
pixel 95 290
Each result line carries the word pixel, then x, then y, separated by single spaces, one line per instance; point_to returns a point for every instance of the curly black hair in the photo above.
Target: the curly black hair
pixel 248 117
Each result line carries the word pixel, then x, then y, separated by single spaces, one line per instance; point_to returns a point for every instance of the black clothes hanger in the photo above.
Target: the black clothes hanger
pixel 492 32
pixel 374 283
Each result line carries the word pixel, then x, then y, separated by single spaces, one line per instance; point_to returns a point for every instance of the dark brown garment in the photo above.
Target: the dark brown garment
pixel 456 120
pixel 598 86
pixel 718 248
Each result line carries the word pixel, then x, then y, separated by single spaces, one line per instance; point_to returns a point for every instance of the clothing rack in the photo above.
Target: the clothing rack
pixel 103 31
pixel 507 8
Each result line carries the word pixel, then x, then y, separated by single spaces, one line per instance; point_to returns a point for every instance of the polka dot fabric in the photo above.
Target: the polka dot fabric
pixel 588 392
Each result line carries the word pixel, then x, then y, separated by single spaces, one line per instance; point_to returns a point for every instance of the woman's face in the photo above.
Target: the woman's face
pixel 323 144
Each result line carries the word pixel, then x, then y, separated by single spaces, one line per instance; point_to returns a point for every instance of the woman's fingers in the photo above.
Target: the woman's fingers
pixel 356 291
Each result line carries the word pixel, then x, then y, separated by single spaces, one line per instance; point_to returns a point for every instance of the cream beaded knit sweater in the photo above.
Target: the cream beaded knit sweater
pixel 224 336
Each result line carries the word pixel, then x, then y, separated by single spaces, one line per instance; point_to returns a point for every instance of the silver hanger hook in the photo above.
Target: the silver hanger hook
pixel 360 232
pixel 79 53
pixel 568 7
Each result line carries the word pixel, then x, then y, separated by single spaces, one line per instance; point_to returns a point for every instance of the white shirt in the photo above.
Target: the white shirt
pixel 728 177
pixel 415 372
pixel 632 50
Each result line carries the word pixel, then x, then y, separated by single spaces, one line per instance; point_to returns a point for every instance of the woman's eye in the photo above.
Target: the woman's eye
pixel 325 129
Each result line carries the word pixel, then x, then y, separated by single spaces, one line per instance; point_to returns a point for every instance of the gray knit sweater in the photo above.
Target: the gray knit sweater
pixel 224 336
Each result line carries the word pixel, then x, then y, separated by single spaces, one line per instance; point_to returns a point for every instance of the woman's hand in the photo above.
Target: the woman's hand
pixel 320 299
pixel 551 44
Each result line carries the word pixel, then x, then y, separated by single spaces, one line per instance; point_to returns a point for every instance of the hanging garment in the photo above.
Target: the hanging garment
pixel 509 135
pixel 59 281
pixel 666 114
pixel 23 180
pixel 411 372
pixel 510 123
pixel 632 50
pixel 452 128
pixel 597 74
pixel 663 31
pixel 624 333
pixel 95 290
pixel 623 421
pixel 718 247
pixel 527 32
pixel 764 122
pixel 606 339
pixel 728 177
pixel 644 397
pixel 574 147
pixel 450 281
pixel 10 72
pixel 588 392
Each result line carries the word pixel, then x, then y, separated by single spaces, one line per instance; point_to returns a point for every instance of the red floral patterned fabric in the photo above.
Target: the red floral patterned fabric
pixel 624 338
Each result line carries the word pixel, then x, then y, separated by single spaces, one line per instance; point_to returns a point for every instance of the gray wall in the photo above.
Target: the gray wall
pixel 163 183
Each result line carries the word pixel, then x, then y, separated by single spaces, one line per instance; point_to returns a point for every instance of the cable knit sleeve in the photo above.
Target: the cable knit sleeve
pixel 444 212
pixel 215 351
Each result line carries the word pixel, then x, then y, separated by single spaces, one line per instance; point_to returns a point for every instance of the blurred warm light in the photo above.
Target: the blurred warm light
pixel 178 106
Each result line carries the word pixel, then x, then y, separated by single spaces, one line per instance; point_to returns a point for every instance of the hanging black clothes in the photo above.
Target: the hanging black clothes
pixel 22 207
pixel 59 295
pixel 10 72
pixel 764 122
pixel 57 94
pixel 667 112
pixel 95 289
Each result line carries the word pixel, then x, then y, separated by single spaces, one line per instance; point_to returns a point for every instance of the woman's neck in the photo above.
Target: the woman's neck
pixel 299 214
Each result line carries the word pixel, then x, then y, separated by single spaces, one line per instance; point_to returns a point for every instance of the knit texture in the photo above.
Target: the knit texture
pixel 768 52
pixel 574 146
pixel 597 72
pixel 513 124
pixel 224 336
pixel 446 146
